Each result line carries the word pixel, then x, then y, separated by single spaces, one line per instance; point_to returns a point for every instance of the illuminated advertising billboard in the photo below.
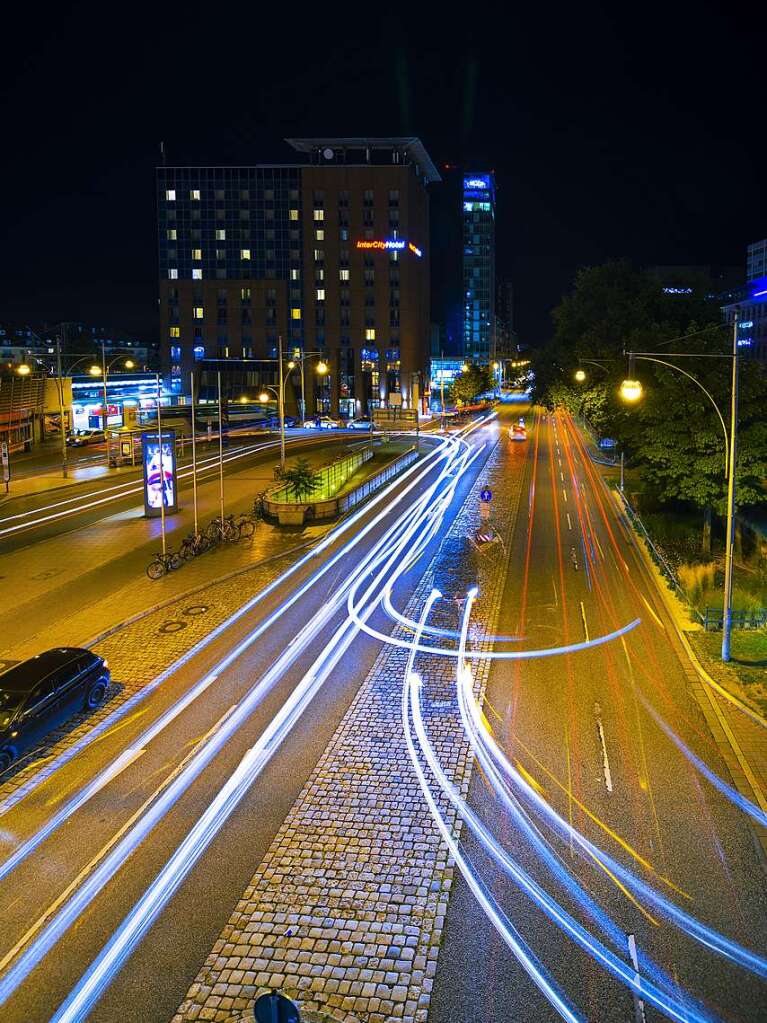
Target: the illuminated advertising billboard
pixel 159 461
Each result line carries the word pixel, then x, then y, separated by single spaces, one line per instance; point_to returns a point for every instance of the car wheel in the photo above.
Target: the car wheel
pixel 6 759
pixel 96 694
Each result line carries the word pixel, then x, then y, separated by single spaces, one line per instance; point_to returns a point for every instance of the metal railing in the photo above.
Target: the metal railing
pixel 350 500
pixel 657 557
pixel 332 477
pixel 713 619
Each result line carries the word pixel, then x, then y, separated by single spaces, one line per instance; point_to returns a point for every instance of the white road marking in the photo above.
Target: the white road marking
pixel 639 1013
pixel 583 618
pixel 569 523
pixel 564 493
pixel 561 475
pixel 605 761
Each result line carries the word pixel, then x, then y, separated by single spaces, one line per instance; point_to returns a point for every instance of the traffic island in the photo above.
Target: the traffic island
pixel 337 487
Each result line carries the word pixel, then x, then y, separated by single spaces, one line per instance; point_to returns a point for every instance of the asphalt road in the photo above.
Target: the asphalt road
pixel 579 726
pixel 56 872
pixel 76 548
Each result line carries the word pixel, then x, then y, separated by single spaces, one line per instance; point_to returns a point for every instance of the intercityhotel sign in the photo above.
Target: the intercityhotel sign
pixel 392 244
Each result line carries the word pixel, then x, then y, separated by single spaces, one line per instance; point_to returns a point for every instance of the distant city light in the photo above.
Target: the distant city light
pixel 476 183
pixel 414 249
pixel 744 342
pixel 746 323
pixel 677 291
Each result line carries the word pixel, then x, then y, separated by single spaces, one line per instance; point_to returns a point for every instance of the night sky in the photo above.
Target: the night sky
pixel 614 130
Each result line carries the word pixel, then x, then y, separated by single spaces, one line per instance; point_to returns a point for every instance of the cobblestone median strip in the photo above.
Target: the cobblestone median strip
pixel 346 911
pixel 148 644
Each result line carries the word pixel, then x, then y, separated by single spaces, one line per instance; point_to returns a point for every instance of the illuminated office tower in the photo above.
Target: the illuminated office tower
pixel 479 267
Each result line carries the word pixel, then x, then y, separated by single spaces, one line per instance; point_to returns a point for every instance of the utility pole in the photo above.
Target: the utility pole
pixel 194 459
pixel 60 381
pixel 162 467
pixel 220 452
pixel 442 389
pixel 282 404
pixel 104 379
pixel 731 496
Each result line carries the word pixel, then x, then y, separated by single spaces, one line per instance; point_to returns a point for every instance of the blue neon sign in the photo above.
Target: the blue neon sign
pixel 477 182
pixel 746 323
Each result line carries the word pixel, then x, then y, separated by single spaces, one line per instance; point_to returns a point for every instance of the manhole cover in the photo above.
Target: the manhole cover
pixel 196 609
pixel 172 626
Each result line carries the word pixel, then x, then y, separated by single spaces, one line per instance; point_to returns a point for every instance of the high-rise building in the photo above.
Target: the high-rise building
pixel 479 267
pixel 330 255
pixel 756 260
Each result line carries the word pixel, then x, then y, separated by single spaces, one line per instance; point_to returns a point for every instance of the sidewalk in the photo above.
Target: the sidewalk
pixel 70 587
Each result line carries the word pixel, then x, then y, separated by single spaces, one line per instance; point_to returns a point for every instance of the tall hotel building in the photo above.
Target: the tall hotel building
pixel 330 254
pixel 479 268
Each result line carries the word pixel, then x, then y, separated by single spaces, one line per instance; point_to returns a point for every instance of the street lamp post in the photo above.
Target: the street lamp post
pixel 60 382
pixel 281 403
pixel 631 390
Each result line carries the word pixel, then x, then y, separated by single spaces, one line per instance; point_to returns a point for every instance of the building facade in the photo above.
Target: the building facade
pixel 479 267
pixel 329 256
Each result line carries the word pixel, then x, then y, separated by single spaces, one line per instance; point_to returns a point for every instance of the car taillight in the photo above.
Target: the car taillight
pixel 106 664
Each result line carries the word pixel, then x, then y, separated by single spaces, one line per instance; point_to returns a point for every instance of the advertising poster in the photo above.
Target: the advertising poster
pixel 159 461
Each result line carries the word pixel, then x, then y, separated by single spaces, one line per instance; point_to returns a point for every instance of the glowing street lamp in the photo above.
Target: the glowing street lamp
pixel 95 371
pixel 580 375
pixel 322 368
pixel 23 370
pixel 631 390
pixel 263 397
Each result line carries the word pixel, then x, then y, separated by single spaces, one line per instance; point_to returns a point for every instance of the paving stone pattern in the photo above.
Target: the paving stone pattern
pixel 346 911
pixel 138 653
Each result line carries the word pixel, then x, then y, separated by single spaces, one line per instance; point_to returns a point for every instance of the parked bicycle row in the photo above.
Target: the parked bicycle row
pixel 230 529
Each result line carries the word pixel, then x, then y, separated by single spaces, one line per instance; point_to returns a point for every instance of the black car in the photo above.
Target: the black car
pixel 42 692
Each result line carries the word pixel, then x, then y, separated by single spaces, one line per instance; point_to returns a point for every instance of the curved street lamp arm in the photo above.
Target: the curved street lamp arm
pixel 670 365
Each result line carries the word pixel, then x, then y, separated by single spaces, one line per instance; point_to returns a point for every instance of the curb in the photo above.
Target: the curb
pixel 719 689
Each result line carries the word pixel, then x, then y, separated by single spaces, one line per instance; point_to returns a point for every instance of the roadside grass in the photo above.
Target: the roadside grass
pixel 748 667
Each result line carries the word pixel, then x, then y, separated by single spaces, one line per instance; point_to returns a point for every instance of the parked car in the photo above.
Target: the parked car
pixel 322 423
pixel 363 423
pixel 81 438
pixel 40 693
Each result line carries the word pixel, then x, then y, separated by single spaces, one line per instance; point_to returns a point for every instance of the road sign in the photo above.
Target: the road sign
pixel 275 1008
pixel 6 462
pixel 486 494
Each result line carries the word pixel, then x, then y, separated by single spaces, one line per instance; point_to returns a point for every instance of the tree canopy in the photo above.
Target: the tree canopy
pixel 470 384
pixel 673 432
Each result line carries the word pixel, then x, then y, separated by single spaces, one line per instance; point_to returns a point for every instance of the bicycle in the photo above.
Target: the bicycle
pixel 194 544
pixel 259 507
pixel 223 530
pixel 246 525
pixel 163 563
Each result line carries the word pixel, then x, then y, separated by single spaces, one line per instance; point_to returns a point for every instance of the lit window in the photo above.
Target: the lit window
pixel 295 314
pixel 198 312
pixel 195 194
pixel 175 352
pixel 370 334
pixel 220 234
pixel 197 274
pixel 244 253
pixel 220 253
pixel 294 214
pixel 170 195
pixel 319 255
pixel 320 235
pixel 343 275
pixel 320 294
pixel 245 294
pixel 199 352
pixel 319 214
pixel 175 331
pixel 320 274
pixel 173 275
pixel 197 254
pixel 172 234
pixel 295 275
